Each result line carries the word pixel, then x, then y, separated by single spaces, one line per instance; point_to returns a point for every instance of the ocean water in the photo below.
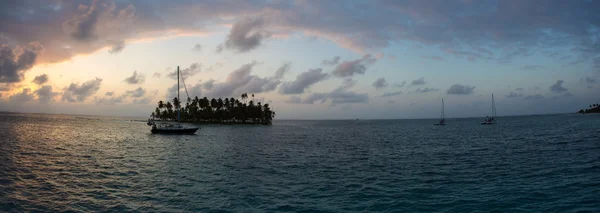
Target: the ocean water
pixel 60 163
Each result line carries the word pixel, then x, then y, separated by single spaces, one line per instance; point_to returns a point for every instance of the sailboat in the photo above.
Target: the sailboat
pixel 491 120
pixel 442 121
pixel 177 128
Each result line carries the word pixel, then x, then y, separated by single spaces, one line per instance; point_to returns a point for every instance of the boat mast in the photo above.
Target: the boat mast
pixel 493 106
pixel 178 106
pixel 443 113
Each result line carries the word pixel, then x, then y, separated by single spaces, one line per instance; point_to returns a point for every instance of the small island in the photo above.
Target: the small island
pixel 216 111
pixel 594 108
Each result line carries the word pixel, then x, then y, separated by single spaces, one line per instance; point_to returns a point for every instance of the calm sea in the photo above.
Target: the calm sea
pixel 59 163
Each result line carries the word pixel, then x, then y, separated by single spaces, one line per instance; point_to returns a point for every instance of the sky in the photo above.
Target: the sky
pixel 308 59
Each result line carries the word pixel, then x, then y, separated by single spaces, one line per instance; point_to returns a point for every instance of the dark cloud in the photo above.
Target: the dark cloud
pixel 197 48
pixel 135 78
pixel 514 95
pixel 519 89
pixel 348 83
pixel 420 81
pixel 282 70
pixel 534 97
pixel 110 100
pixel 109 93
pixel 24 96
pixel 589 82
pixel 156 75
pixel 426 89
pixel 116 47
pixel 458 89
pixel 380 83
pixel 78 93
pixel 340 96
pixel 192 70
pixel 247 34
pixel 208 85
pixel 533 67
pixel 400 84
pixel 241 81
pixel 14 62
pixel 142 101
pixel 139 92
pixel 314 97
pixel 40 79
pixel 558 87
pixel 358 66
pixel 390 94
pixel 45 94
pixel 434 58
pixel 294 100
pixel 334 61
pixel 463 28
pixel 303 81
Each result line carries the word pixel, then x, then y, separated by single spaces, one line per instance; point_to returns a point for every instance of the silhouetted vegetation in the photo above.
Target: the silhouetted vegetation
pixel 594 108
pixel 216 111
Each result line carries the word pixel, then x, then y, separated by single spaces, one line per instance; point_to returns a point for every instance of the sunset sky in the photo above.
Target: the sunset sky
pixel 308 59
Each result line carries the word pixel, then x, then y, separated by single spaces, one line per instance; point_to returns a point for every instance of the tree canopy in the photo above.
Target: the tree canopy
pixel 228 110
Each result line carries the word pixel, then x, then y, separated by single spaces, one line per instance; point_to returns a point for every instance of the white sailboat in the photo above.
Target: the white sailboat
pixel 442 121
pixel 177 128
pixel 491 120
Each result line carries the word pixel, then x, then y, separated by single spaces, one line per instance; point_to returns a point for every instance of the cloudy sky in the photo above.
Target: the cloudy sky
pixel 308 59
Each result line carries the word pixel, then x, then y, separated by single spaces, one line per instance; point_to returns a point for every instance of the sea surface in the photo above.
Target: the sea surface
pixel 63 163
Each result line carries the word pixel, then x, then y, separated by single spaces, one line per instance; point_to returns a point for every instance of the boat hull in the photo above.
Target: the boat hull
pixel 182 131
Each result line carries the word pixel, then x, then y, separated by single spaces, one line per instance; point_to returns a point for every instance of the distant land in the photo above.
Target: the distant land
pixel 594 108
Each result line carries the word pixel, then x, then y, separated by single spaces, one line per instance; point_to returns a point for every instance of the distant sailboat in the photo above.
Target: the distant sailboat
pixel 442 121
pixel 491 120
pixel 172 128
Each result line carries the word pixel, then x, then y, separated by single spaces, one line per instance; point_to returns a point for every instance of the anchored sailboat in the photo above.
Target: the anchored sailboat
pixel 491 120
pixel 177 128
pixel 442 121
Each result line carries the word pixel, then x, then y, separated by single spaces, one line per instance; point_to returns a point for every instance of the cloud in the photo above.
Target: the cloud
pixel 282 70
pixel 110 100
pixel 117 47
pixel 514 95
pixel 380 83
pixel 303 81
pixel 533 67
pixel 590 82
pixel 156 75
pixel 350 68
pixel 312 98
pixel 135 78
pixel 197 48
pixel 434 58
pixel 45 94
pixel 557 87
pixel 392 57
pixel 420 81
pixel 426 89
pixel 239 81
pixel 78 93
pixel 247 34
pixel 334 61
pixel 109 93
pixel 348 83
pixel 340 96
pixel 192 70
pixel 390 94
pixel 139 92
pixel 294 100
pixel 519 89
pixel 24 96
pixel 142 101
pixel 40 79
pixel 534 97
pixel 400 84
pixel 458 89
pixel 14 62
